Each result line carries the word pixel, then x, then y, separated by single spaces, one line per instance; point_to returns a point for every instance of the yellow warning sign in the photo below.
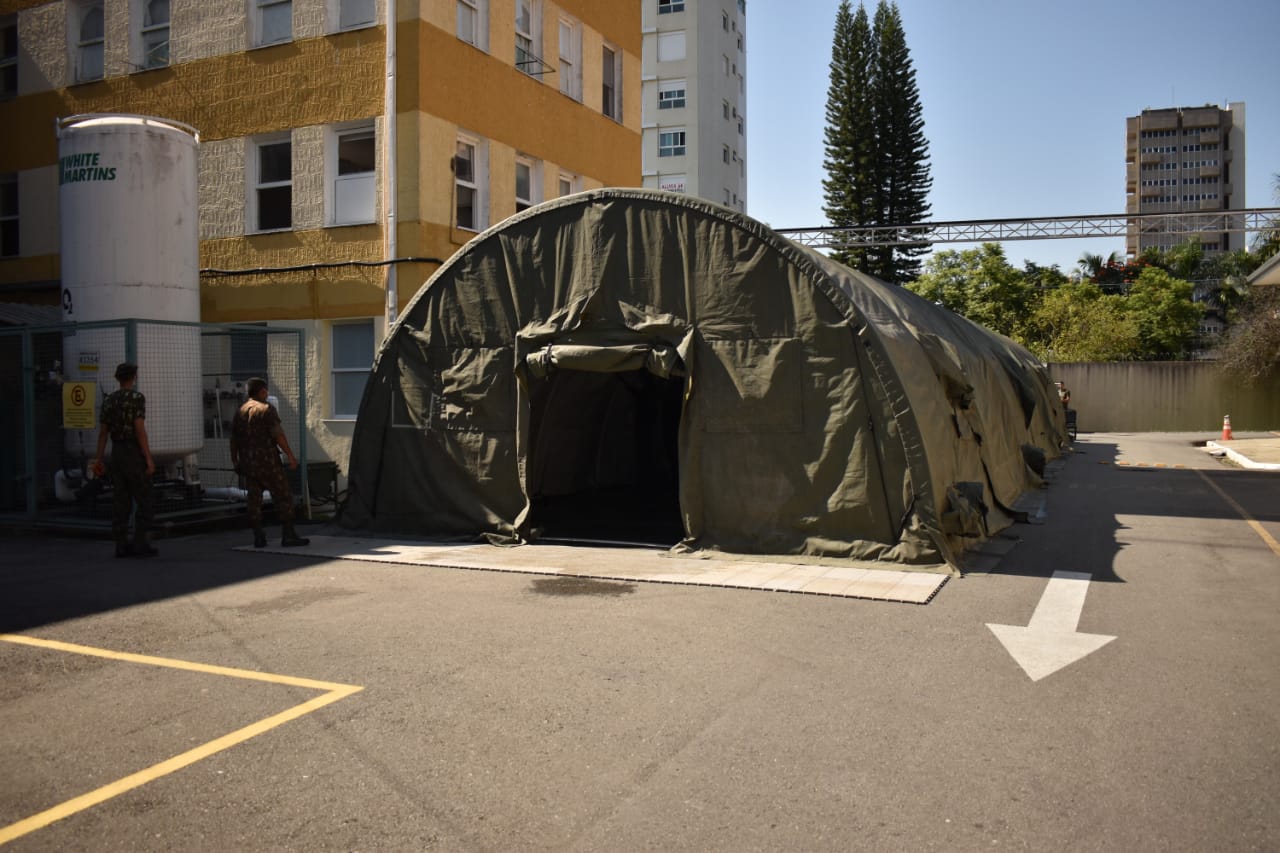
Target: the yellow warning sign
pixel 77 406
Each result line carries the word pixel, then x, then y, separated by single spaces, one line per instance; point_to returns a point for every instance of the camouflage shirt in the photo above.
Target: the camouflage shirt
pixel 253 436
pixel 119 410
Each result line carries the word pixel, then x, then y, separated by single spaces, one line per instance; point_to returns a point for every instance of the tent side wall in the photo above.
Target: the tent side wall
pixel 979 400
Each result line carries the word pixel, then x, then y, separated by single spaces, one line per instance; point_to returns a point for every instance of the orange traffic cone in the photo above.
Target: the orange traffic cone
pixel 1226 427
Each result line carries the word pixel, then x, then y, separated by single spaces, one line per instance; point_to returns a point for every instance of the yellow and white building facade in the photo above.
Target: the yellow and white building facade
pixel 313 115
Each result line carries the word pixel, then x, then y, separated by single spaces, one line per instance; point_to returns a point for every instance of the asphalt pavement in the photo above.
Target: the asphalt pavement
pixel 213 699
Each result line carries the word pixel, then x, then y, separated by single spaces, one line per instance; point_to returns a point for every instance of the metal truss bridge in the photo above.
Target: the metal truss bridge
pixel 1042 228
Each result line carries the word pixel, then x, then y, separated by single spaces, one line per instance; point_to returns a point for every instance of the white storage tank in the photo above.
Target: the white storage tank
pixel 130 250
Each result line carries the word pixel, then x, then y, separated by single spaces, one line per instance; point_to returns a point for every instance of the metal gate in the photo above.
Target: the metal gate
pixel 53 379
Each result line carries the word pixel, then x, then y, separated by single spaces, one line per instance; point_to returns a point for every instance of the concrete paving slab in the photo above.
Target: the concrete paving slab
pixel 630 564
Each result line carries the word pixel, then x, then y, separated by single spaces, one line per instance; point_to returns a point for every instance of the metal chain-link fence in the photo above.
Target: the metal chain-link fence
pixel 54 378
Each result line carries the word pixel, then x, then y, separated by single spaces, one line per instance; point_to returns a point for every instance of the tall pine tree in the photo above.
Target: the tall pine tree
pixel 876 153
pixel 850 187
pixel 903 152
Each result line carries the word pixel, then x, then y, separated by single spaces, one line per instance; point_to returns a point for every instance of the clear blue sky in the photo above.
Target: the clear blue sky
pixel 1024 101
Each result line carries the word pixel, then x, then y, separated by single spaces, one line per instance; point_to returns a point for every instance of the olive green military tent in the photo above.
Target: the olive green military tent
pixel 634 365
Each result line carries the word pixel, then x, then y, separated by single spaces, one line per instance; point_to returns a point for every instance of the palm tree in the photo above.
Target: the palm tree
pixel 1091 265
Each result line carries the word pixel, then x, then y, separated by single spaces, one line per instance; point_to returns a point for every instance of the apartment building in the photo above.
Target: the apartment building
pixel 313 115
pixel 1186 160
pixel 694 91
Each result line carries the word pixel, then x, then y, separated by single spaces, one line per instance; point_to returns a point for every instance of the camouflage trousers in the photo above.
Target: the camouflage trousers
pixel 130 483
pixel 270 476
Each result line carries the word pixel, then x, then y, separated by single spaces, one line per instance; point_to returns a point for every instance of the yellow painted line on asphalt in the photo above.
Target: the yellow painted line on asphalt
pixel 1257 528
pixel 333 693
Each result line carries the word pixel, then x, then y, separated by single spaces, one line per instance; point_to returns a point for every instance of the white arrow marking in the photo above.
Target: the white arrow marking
pixel 1051 641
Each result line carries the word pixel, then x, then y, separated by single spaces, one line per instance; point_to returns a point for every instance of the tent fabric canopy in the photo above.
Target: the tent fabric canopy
pixel 656 356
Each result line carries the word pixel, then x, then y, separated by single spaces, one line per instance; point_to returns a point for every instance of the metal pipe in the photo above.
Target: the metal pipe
pixel 389 181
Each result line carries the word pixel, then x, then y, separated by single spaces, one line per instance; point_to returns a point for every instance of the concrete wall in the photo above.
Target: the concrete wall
pixel 1166 396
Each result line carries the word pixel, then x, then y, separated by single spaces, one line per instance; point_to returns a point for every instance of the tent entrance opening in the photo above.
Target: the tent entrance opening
pixel 603 460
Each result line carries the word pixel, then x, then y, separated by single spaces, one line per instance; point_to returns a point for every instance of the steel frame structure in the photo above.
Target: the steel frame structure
pixel 1040 228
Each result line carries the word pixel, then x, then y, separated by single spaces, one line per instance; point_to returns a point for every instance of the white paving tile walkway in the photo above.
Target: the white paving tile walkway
pixel 632 564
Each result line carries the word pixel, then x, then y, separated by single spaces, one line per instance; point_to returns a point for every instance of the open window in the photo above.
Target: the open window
pixel 351 167
pixel 153 34
pixel 271 173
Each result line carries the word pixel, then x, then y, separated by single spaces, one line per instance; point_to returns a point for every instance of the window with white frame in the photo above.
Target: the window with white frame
pixel 153 34
pixel 724 21
pixel 528 182
pixel 8 215
pixel 354 14
pixel 726 109
pixel 666 7
pixel 528 41
pixel 473 23
pixel 272 21
pixel 272 200
pixel 469 183
pixel 671 143
pixel 611 83
pixel 351 358
pixel 8 56
pixel 570 58
pixel 353 160
pixel 671 94
pixel 671 46
pixel 569 184
pixel 88 38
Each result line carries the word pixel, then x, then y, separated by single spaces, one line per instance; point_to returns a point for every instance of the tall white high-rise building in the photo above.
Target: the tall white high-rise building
pixel 694 85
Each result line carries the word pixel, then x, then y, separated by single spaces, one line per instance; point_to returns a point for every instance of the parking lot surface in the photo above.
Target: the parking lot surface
pixel 215 699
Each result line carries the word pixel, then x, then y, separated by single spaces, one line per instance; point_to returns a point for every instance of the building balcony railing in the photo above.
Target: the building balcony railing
pixel 1210 204
pixel 1150 159
pixel 1210 171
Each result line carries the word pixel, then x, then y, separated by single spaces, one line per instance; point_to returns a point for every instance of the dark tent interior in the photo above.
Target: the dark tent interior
pixel 603 463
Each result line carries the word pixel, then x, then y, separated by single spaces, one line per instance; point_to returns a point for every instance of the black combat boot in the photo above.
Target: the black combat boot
pixel 290 539
pixel 259 537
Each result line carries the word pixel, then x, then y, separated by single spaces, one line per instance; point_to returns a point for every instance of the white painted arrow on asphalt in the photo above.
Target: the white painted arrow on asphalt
pixel 1051 641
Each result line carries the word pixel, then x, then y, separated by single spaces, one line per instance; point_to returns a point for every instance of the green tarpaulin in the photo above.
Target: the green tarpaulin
pixel 644 366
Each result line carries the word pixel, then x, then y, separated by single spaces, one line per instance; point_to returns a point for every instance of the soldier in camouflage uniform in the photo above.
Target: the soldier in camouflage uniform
pixel 256 433
pixel 124 415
